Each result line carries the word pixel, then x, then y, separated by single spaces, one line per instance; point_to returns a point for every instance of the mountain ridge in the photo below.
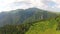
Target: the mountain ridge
pixel 19 16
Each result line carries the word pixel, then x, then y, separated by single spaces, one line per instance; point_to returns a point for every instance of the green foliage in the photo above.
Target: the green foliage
pixel 29 21
pixel 13 29
pixel 34 27
pixel 43 26
pixel 19 16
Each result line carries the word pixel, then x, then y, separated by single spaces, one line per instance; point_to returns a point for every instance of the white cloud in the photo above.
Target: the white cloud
pixel 56 1
pixel 33 3
pixel 6 5
pixel 36 3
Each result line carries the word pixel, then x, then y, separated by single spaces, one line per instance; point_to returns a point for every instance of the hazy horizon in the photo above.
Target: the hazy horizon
pixel 52 5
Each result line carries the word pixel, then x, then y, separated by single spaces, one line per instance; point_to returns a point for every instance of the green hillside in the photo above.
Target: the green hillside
pixel 29 21
pixel 20 16
pixel 49 26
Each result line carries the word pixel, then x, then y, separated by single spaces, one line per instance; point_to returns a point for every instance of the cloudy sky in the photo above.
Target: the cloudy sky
pixel 7 5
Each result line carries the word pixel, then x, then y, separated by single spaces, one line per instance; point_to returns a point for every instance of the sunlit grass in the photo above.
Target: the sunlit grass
pixel 43 27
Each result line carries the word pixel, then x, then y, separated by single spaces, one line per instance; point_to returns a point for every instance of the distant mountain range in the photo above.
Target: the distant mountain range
pixel 20 16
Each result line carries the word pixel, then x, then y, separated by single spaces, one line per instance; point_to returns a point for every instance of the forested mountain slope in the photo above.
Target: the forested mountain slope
pixel 47 26
pixel 29 21
pixel 19 16
pixel 50 26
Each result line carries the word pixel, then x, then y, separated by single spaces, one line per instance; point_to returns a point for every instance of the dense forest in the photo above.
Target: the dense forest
pixel 29 21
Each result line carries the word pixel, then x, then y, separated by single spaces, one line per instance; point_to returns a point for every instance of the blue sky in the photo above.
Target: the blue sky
pixel 7 5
